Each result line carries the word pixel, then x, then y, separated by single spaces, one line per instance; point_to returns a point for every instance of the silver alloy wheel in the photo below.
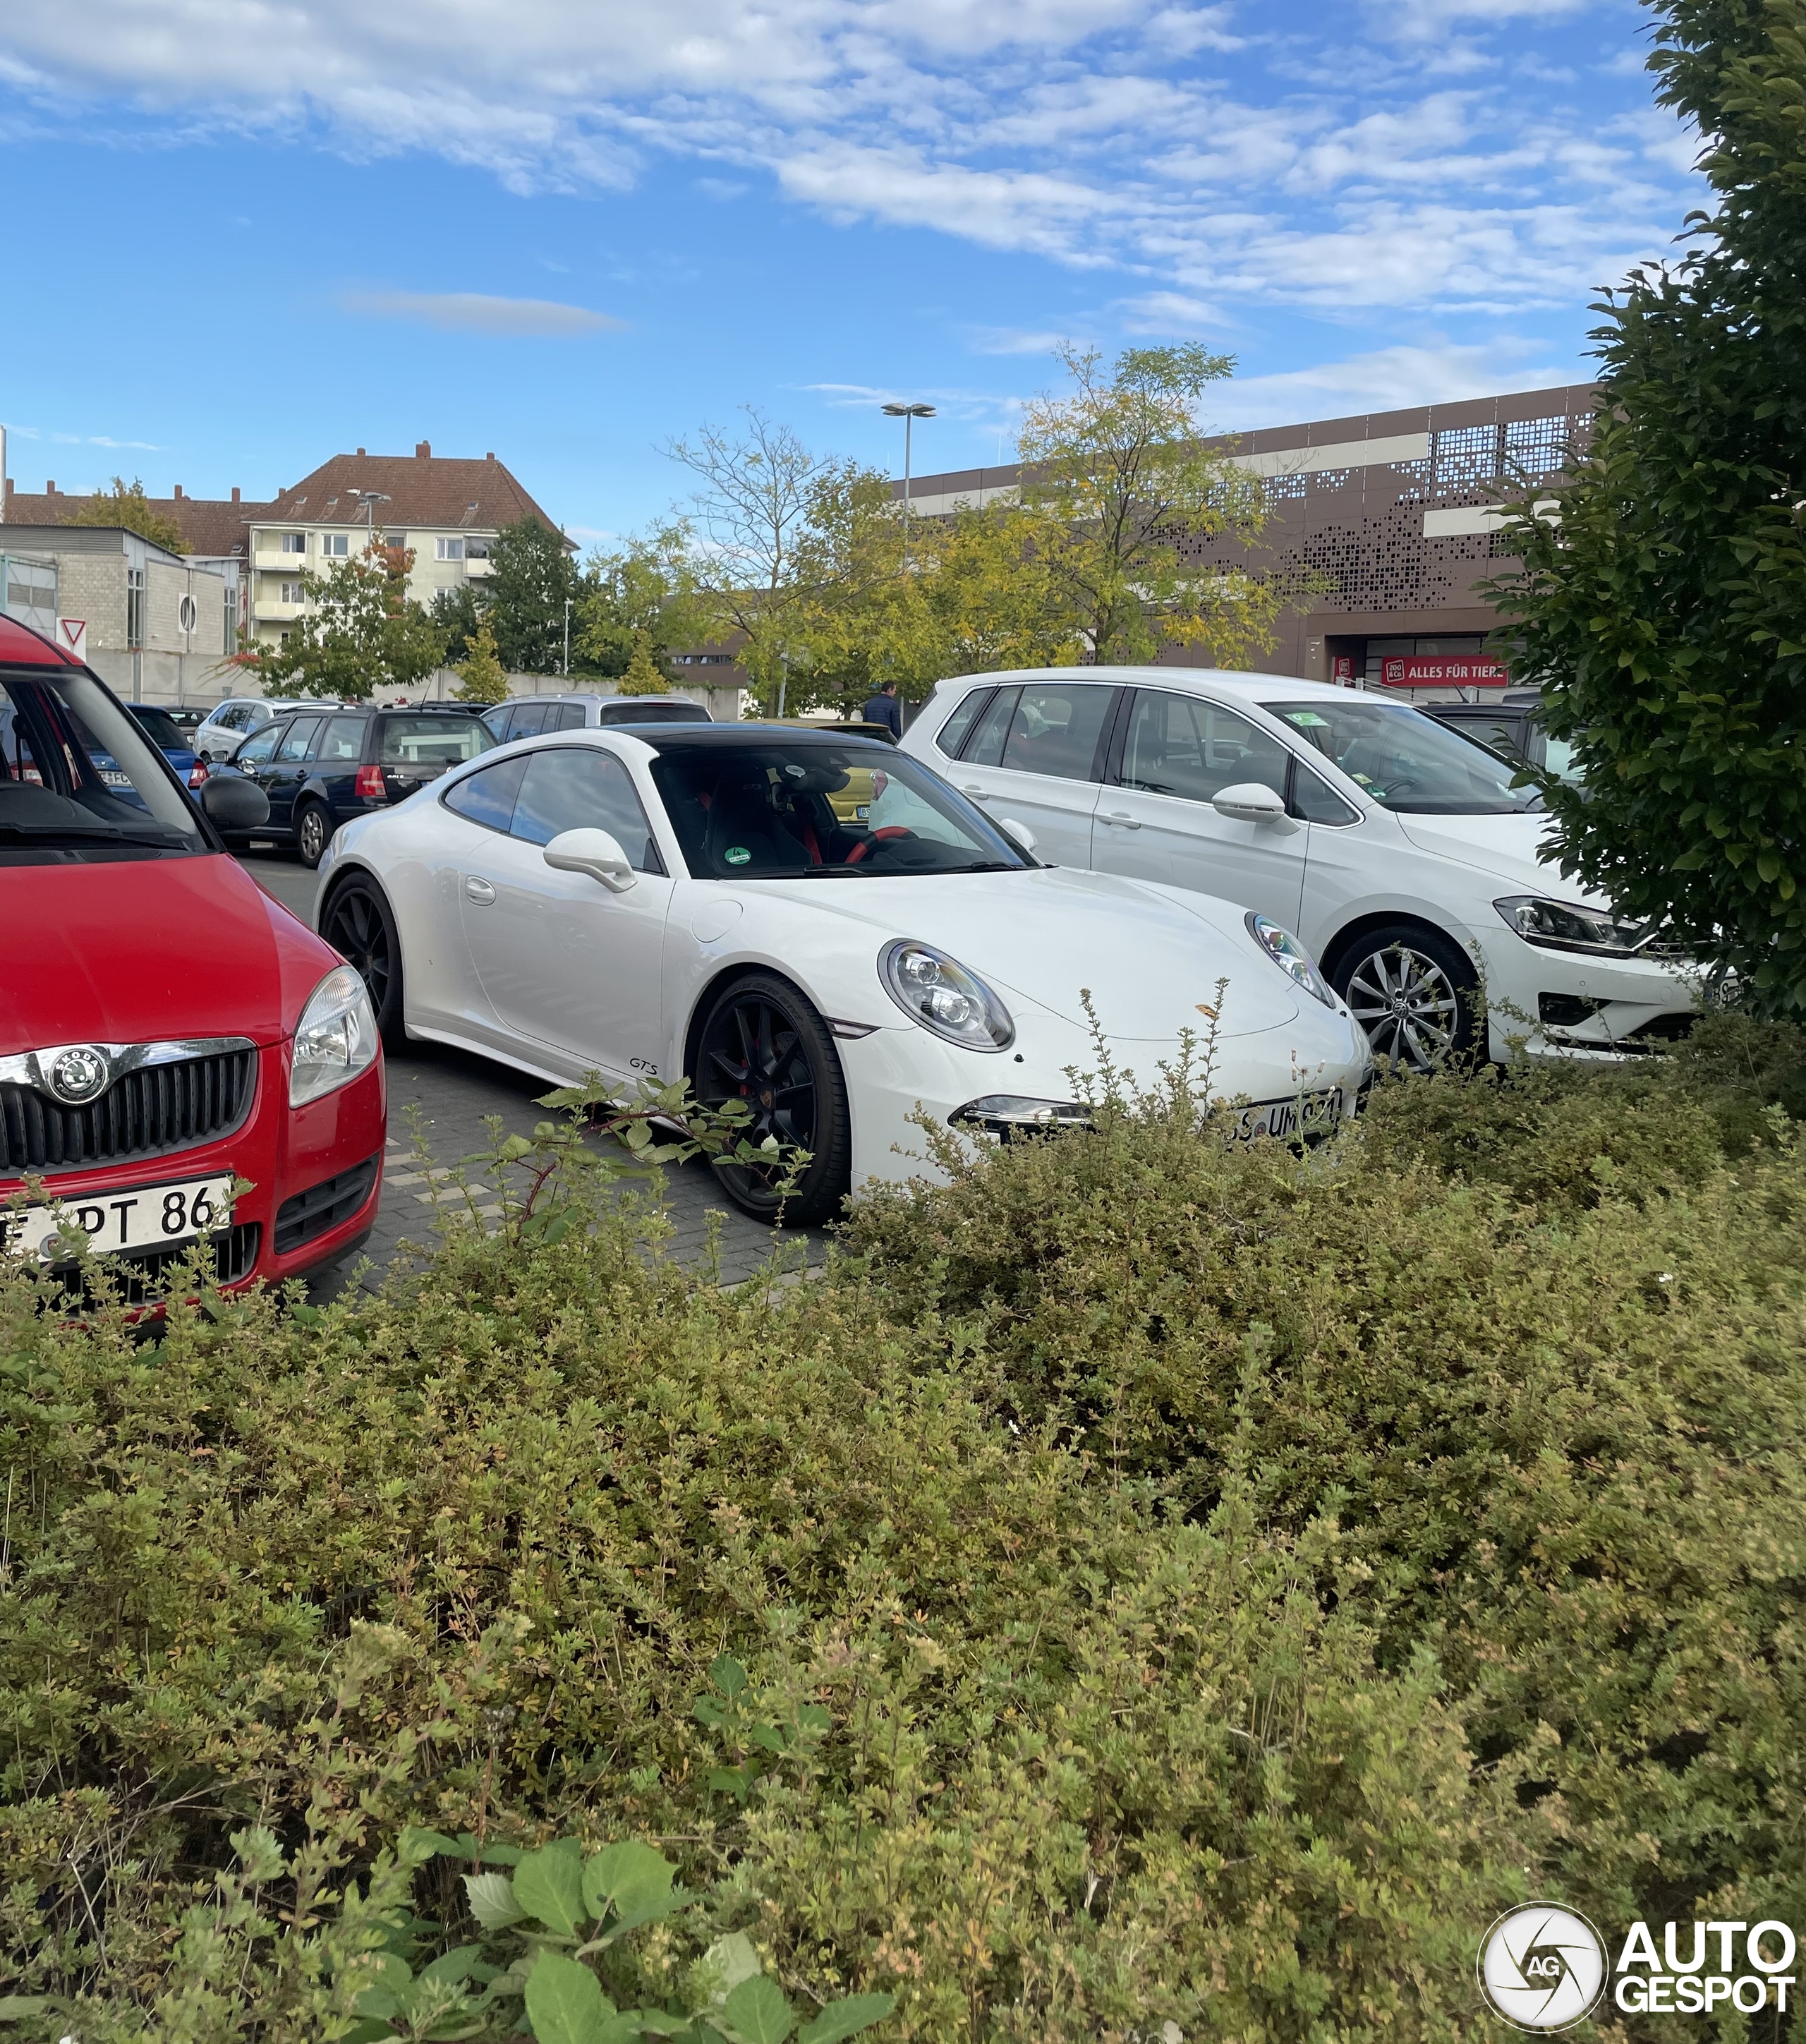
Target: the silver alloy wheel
pixel 313 834
pixel 1409 1005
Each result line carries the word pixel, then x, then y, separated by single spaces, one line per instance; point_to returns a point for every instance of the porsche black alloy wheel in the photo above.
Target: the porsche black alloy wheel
pixel 358 925
pixel 762 1043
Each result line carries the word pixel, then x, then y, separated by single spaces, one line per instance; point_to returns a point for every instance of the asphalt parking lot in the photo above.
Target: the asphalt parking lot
pixel 448 1094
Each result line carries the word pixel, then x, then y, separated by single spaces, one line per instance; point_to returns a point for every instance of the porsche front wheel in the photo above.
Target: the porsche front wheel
pixel 762 1043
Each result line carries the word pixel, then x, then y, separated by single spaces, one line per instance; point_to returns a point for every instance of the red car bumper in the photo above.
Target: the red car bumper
pixel 315 1172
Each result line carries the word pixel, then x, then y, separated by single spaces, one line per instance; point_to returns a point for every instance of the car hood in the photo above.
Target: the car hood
pixel 1149 962
pixel 143 951
pixel 1513 847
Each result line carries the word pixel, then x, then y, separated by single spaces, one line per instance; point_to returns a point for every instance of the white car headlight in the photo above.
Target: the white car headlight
pixel 335 1038
pixel 939 992
pixel 1290 956
pixel 1567 926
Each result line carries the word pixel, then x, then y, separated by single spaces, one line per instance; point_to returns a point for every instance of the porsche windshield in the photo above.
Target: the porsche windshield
pixel 807 808
pixel 79 778
pixel 1407 761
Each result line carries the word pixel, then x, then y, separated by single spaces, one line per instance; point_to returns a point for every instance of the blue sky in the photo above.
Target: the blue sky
pixel 570 231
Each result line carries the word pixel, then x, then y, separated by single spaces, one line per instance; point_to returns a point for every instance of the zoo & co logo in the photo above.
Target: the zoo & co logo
pixel 1542 1967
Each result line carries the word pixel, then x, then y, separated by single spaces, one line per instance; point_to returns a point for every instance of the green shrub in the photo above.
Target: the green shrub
pixel 1143 1583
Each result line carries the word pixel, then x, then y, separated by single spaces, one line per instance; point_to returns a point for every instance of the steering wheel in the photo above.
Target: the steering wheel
pixel 866 844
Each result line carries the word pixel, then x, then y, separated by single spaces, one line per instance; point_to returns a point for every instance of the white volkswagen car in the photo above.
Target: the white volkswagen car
pixel 1399 851
pixel 693 900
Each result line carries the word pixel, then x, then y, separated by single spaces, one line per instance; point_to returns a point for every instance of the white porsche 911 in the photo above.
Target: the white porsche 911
pixel 817 925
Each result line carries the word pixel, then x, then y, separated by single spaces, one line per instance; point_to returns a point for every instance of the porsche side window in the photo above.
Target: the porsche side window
pixel 577 788
pixel 953 733
pixel 488 797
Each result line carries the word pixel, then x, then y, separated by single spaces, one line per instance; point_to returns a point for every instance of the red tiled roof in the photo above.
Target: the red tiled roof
pixel 209 524
pixel 422 488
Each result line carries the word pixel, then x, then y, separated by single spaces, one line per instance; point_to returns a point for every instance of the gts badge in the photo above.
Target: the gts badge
pixel 644 1064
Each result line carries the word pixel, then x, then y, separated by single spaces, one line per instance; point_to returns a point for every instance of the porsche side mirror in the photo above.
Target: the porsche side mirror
pixel 233 803
pixel 1018 833
pixel 1252 802
pixel 593 852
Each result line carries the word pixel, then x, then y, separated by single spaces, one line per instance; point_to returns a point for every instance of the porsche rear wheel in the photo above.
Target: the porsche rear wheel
pixel 762 1043
pixel 358 923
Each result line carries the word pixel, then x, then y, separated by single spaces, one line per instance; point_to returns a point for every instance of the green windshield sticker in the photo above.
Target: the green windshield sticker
pixel 1308 718
pixel 736 855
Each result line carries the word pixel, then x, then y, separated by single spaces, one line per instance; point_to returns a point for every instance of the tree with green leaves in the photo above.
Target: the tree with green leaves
pixel 125 504
pixel 480 676
pixel 1661 607
pixel 1126 494
pixel 361 634
pixel 643 593
pixel 532 576
pixel 457 614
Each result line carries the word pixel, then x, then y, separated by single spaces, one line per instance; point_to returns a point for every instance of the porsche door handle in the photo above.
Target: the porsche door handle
pixel 479 890
pixel 1121 821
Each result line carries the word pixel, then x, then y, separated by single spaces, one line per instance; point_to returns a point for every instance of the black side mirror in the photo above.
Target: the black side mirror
pixel 234 803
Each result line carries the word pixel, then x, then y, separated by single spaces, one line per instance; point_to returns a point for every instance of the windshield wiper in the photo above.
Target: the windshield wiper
pixel 86 834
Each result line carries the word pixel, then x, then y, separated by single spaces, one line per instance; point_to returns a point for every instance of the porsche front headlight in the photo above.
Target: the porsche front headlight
pixel 1290 956
pixel 939 992
pixel 335 1038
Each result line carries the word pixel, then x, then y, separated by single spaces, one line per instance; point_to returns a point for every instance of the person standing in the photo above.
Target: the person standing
pixel 884 709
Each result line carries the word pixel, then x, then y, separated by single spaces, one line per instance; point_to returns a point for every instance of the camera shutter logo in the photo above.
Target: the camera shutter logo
pixel 79 1074
pixel 1542 1967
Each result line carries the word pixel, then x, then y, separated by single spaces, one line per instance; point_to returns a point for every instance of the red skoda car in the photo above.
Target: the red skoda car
pixel 165 1028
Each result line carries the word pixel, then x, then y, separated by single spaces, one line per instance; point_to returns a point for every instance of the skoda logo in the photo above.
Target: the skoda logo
pixel 1542 1967
pixel 79 1074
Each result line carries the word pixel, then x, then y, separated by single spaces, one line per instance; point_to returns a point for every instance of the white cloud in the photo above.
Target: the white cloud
pixel 1387 379
pixel 1397 158
pixel 474 312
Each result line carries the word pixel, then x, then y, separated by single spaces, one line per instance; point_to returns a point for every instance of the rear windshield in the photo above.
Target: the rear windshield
pixel 79 778
pixel 159 727
pixel 432 741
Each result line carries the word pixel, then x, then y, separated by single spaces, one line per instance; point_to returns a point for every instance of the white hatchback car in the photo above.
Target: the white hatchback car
pixel 1397 849
pixel 659 900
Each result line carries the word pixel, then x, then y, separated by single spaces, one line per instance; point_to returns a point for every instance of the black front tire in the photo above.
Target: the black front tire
pixel 358 923
pixel 313 833
pixel 1416 994
pixel 763 1044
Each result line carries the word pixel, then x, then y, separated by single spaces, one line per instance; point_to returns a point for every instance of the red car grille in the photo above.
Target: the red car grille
pixel 144 1113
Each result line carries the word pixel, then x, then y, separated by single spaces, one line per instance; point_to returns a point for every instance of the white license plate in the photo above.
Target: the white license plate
pixel 1315 1114
pixel 147 1217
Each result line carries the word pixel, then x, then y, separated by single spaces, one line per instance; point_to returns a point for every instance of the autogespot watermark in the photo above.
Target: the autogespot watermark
pixel 1543 1967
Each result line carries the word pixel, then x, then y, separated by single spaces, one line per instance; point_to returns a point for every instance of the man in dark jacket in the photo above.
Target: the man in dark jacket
pixel 886 709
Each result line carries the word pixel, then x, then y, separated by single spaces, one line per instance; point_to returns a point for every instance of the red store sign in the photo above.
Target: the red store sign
pixel 1443 670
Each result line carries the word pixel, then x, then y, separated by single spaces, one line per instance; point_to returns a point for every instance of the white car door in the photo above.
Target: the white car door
pixel 1034 754
pixel 1154 821
pixel 564 961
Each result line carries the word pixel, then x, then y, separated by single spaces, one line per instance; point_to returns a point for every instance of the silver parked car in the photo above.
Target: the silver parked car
pixel 227 728
pixel 527 716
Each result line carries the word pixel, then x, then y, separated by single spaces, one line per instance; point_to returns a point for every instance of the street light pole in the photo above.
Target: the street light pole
pixel 372 499
pixel 567 638
pixel 909 414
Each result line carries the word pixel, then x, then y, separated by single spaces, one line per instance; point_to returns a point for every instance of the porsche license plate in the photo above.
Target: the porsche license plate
pixel 1312 1114
pixel 147 1217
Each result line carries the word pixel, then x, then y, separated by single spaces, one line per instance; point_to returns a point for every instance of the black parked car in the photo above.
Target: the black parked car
pixel 1508 724
pixel 319 768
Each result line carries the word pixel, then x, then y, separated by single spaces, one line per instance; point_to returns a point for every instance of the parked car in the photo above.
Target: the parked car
pixel 665 902
pixel 224 729
pixel 166 1029
pixel 319 768
pixel 1509 725
pixel 527 716
pixel 170 740
pixel 186 721
pixel 851 803
pixel 1397 849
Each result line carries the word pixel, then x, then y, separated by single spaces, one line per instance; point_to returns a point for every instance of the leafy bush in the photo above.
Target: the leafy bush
pixel 1144 1589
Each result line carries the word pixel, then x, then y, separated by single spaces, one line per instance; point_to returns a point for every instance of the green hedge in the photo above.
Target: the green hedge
pixel 1174 1584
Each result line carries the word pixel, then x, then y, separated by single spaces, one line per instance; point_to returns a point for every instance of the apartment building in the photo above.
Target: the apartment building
pixel 1389 518
pixel 447 510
